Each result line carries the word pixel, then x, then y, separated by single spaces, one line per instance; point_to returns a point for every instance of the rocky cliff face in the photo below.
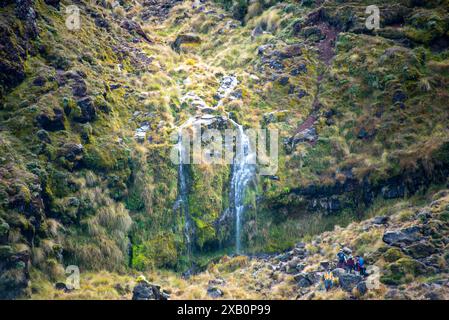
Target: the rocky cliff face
pixel 87 113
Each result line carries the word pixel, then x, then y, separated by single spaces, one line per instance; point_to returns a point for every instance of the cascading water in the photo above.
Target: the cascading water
pixel 182 200
pixel 243 171
pixel 243 167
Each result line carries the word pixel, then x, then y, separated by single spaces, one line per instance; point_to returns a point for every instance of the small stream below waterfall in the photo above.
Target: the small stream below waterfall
pixel 243 167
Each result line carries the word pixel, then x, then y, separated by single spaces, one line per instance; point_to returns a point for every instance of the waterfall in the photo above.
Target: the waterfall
pixel 182 199
pixel 243 170
pixel 243 167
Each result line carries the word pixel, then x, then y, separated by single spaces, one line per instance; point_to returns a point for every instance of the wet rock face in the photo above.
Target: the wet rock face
pixel 147 291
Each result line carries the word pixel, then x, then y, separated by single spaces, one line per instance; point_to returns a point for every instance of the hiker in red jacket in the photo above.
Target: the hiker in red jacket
pixel 350 264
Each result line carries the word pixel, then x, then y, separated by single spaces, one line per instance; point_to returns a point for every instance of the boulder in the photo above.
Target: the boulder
pixel 257 31
pixel 349 281
pixel 399 96
pixel 217 282
pixel 43 136
pixel 88 111
pixel 362 288
pixel 214 292
pixel 72 152
pixel 299 252
pixel 380 220
pixel 147 291
pixel 420 250
pixel 338 271
pixel 51 121
pixel 102 22
pixel 291 51
pixel 62 287
pixel 284 256
pixel 300 69
pixel 79 88
pixel 263 49
pixel 325 265
pixel 304 279
pixel 283 81
pixel 276 64
pixel 39 81
pixel 133 26
pixel 402 237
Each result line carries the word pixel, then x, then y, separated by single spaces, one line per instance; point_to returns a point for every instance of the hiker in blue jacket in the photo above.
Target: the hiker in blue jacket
pixel 341 259
pixel 360 265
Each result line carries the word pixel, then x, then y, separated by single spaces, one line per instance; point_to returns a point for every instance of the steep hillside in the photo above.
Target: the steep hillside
pixel 405 246
pixel 90 108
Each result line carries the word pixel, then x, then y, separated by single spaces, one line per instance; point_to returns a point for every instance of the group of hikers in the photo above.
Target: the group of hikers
pixel 347 262
pixel 350 264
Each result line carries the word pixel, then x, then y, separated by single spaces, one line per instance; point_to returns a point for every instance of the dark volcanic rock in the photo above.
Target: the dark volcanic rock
pixel 133 26
pixel 399 96
pixel 147 291
pixel 380 220
pixel 88 112
pixel 54 3
pixel 43 136
pixel 158 9
pixel 51 122
pixel 349 281
pixel 72 151
pixel 214 292
pixel 362 288
pixel 79 88
pixel 305 280
pixel 25 11
pixel 393 191
pixel 403 236
pixel 420 250
pixel 12 54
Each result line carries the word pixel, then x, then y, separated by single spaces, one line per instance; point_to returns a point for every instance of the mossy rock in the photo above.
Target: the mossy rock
pixel 403 270
pixel 393 254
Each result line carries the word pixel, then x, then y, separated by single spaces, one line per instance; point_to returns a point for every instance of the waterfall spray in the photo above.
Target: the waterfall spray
pixel 243 171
